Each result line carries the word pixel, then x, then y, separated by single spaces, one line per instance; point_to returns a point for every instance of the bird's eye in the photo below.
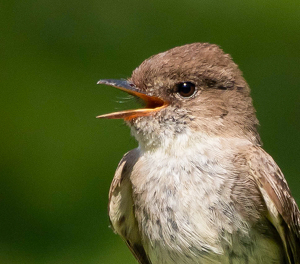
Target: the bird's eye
pixel 186 89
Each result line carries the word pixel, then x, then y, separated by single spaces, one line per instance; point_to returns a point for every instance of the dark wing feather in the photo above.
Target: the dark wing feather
pixel 138 251
pixel 283 211
pixel 121 207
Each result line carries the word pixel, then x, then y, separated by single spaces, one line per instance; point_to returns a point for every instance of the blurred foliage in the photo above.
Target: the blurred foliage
pixel 57 160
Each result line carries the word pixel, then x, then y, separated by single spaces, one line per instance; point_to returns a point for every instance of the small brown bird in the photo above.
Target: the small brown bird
pixel 199 188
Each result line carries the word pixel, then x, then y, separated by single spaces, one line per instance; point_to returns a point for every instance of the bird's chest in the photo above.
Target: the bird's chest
pixel 185 211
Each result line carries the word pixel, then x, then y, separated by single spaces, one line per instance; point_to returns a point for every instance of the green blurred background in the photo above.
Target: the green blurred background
pixel 57 160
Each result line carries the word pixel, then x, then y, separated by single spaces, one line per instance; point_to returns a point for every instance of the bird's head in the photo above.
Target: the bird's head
pixel 195 89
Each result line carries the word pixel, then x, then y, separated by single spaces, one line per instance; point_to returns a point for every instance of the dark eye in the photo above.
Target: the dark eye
pixel 186 89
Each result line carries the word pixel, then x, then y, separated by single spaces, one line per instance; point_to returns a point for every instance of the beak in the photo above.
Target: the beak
pixel 153 103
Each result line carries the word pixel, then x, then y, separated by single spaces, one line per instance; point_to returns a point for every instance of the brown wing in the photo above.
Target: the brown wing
pixel 283 211
pixel 121 207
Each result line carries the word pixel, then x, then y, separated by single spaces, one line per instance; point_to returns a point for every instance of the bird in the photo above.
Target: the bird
pixel 199 188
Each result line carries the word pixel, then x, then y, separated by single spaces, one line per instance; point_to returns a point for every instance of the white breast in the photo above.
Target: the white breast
pixel 183 203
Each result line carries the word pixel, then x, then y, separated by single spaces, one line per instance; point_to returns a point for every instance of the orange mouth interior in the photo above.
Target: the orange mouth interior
pixel 153 104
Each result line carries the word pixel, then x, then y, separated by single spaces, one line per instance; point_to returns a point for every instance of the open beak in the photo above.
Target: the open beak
pixel 153 103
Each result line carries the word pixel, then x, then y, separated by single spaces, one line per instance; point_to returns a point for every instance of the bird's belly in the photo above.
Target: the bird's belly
pixel 195 211
pixel 184 238
pixel 190 224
